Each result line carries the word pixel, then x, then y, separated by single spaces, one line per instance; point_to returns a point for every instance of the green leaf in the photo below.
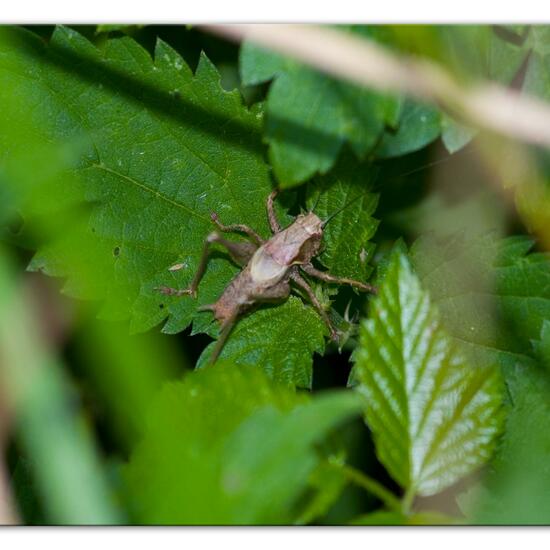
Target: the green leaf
pixel 327 483
pixel 537 75
pixel 493 296
pixel 163 148
pixel 455 135
pixel 155 166
pixel 542 347
pixel 418 126
pixel 517 489
pixel 271 338
pixel 539 39
pixel 309 115
pixel 347 237
pixel 433 416
pixel 230 433
pixel 116 27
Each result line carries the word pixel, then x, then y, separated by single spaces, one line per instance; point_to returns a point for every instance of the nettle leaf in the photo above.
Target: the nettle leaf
pixel 347 237
pixel 433 416
pixel 310 115
pixel 271 339
pixel 231 433
pixel 159 163
pixel 163 149
pixel 492 294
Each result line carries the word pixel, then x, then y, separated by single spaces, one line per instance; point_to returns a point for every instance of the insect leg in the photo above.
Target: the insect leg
pixel 310 270
pixel 226 328
pixel 273 222
pixel 237 227
pixel 298 279
pixel 240 252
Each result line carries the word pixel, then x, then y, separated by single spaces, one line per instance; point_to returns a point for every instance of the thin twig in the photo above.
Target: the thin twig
pixel 366 63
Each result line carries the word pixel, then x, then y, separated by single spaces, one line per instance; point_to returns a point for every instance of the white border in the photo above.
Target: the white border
pixel 245 11
pixel 350 538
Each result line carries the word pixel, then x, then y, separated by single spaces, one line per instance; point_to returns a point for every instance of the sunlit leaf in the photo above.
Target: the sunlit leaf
pixel 434 417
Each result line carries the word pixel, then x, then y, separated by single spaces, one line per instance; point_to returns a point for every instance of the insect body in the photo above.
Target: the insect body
pixel 268 269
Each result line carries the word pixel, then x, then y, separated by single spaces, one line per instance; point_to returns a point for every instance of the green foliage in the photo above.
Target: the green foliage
pixel 258 340
pixel 418 126
pixel 117 148
pixel 516 491
pixel 347 238
pixel 230 433
pixel 493 295
pixel 158 164
pixel 159 161
pixel 433 416
pixel 309 115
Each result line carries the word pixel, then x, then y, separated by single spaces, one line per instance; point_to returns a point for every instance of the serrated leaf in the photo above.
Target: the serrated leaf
pixel 492 294
pixel 347 249
pixel 231 446
pixel 309 115
pixel 163 148
pixel 270 339
pixel 433 416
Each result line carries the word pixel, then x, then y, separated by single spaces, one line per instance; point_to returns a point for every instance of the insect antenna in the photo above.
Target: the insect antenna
pixel 349 203
pixel 404 174
pixel 312 209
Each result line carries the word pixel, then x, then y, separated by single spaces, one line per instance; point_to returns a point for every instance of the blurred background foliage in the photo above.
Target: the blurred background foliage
pixel 101 424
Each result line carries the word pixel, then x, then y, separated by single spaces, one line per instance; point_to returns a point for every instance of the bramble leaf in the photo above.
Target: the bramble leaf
pixel 347 237
pixel 231 433
pixel 271 339
pixel 433 416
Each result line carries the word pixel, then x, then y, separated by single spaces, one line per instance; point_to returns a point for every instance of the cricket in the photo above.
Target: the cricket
pixel 268 268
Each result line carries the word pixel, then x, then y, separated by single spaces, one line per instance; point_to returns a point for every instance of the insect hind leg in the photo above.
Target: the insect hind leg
pixel 238 227
pixel 299 280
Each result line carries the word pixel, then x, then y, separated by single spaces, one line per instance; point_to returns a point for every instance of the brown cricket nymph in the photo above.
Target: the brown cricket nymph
pixel 268 269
